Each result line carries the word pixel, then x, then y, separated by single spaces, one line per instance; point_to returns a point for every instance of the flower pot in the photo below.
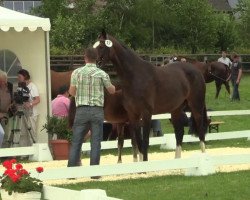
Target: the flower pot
pixel 60 149
pixel 21 196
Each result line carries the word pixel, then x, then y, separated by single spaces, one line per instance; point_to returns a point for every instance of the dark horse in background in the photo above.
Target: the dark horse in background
pixel 150 90
pixel 212 71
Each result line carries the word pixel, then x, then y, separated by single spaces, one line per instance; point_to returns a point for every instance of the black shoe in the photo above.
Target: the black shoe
pixel 95 177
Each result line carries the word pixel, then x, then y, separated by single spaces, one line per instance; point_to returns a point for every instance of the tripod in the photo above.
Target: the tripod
pixel 21 123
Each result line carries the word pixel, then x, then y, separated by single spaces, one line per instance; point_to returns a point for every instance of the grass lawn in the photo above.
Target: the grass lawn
pixel 221 186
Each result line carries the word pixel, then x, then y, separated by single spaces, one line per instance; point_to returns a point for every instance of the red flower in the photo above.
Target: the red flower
pixel 23 172
pixel 15 178
pixel 9 172
pixel 7 164
pixel 19 166
pixel 13 160
pixel 39 169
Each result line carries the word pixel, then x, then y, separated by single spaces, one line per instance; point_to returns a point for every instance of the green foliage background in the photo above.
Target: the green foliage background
pixel 193 26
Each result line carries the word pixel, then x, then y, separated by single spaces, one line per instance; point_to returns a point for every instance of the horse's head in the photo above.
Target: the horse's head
pixel 104 49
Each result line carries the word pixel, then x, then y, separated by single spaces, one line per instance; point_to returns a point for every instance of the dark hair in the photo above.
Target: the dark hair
pixel 91 54
pixel 63 89
pixel 24 73
pixel 235 55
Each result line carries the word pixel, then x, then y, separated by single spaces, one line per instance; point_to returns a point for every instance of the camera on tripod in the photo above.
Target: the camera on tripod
pixel 21 96
pixel 22 93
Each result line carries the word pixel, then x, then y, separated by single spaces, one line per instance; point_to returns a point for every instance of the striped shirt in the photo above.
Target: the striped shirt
pixel 90 82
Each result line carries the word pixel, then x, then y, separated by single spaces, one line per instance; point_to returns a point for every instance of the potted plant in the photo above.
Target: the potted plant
pixel 60 136
pixel 16 182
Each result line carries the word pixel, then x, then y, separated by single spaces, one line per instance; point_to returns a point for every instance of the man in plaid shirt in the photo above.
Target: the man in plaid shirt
pixel 87 85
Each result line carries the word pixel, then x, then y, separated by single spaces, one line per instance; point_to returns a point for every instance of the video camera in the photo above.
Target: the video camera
pixel 22 93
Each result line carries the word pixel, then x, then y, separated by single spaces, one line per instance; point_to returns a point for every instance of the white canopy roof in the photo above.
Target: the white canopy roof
pixel 19 21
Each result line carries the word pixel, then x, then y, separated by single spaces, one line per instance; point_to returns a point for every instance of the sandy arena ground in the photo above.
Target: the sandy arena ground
pixel 111 159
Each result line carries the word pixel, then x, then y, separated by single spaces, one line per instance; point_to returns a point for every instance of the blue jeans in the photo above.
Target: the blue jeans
pixel 236 94
pixel 156 126
pixel 87 118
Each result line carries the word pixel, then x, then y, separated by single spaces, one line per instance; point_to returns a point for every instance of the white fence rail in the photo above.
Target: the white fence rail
pixel 55 193
pixel 201 164
pixel 209 113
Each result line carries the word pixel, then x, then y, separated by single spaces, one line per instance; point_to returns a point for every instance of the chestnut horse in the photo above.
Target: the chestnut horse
pixel 115 113
pixel 151 90
pixel 212 71
pixel 59 79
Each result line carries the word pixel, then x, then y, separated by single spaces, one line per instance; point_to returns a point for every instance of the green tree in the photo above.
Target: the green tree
pixel 244 21
pixel 77 30
pixel 194 24
pixel 51 9
pixel 226 32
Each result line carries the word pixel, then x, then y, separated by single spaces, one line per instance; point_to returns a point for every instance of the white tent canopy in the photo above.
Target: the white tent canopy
pixel 27 37
pixel 19 21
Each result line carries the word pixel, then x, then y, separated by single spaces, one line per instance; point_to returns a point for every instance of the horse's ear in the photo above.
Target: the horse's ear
pixel 103 34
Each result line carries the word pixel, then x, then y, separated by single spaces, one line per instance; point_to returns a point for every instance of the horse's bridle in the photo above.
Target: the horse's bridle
pixel 224 80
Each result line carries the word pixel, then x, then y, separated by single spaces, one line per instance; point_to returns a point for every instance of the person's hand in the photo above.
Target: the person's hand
pixel 27 105
pixel 237 82
pixel 2 115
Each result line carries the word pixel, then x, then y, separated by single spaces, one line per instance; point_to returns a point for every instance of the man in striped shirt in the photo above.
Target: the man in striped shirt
pixel 87 85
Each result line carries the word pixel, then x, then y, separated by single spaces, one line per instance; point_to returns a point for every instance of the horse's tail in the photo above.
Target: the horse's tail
pixel 72 112
pixel 193 129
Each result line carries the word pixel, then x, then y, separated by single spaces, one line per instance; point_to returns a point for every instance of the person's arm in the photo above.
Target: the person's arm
pixel 36 100
pixel 229 77
pixel 239 76
pixel 107 84
pixel 111 89
pixel 72 90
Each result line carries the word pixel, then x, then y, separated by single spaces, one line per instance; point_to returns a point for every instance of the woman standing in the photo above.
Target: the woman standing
pixel 26 138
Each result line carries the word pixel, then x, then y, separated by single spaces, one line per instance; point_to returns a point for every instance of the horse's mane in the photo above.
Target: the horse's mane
pixel 125 47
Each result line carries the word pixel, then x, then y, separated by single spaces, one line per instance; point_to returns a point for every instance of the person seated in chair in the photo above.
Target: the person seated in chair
pixel 60 105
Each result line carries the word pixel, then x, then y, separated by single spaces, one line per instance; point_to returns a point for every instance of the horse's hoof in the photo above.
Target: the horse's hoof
pixel 142 172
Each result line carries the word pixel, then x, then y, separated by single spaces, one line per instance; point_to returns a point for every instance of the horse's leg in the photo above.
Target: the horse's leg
pixel 120 133
pixel 199 115
pixel 227 87
pixel 218 88
pixel 178 130
pixel 146 119
pixel 134 143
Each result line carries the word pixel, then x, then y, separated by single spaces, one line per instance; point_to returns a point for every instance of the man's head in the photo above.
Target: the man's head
pixel 3 77
pixel 63 90
pixel 224 54
pixel 90 55
pixel 235 57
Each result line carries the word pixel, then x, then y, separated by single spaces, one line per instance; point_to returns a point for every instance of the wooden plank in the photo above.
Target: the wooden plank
pixel 216 122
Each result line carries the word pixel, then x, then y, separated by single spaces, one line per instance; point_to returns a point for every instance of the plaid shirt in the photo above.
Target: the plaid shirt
pixel 89 81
